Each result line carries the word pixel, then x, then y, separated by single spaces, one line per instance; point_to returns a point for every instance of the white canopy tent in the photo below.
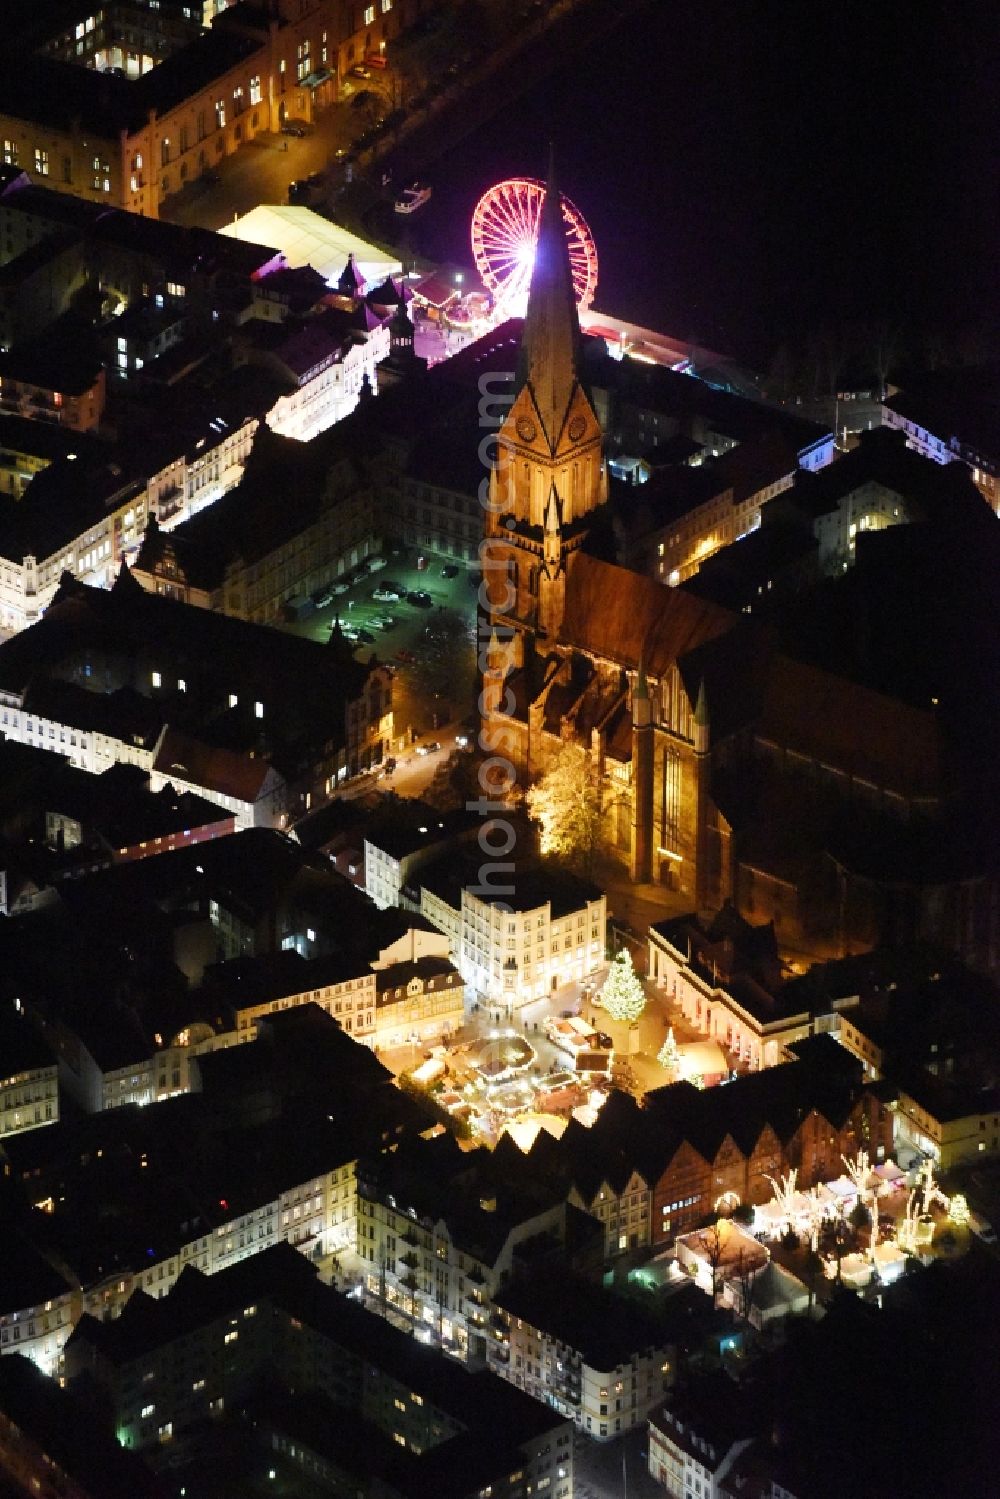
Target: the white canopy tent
pixel 307 238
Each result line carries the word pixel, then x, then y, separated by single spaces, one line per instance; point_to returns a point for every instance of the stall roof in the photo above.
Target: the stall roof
pixel 307 238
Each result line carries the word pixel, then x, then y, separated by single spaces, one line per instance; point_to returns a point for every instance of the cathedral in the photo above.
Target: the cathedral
pixel 730 769
pixel 581 649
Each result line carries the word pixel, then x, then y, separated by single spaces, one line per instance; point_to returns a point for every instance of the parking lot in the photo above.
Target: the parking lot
pixel 395 631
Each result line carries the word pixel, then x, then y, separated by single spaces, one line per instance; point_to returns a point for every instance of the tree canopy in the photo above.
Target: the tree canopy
pixel 566 803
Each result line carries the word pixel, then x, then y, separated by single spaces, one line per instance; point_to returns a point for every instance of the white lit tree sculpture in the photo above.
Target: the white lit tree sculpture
pixel 859 1170
pixel 623 995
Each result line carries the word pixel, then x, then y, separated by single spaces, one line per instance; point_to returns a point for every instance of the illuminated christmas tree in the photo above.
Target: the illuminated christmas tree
pixel 668 1055
pixel 623 996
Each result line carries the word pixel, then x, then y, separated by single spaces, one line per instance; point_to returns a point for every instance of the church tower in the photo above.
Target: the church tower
pixel 549 473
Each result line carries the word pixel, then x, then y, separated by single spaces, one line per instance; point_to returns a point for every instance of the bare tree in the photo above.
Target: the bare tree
pixel 712 1240
pixel 747 1270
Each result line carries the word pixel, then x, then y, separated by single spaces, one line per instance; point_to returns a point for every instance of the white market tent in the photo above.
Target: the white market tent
pixel 307 238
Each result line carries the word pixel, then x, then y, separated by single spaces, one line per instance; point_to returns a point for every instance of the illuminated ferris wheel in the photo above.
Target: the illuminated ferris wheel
pixel 504 231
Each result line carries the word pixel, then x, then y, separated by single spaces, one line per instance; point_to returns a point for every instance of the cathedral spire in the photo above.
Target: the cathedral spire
pixel 551 338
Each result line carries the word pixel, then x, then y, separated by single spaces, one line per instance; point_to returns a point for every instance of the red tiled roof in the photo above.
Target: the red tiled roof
pixel 614 613
pixel 183 758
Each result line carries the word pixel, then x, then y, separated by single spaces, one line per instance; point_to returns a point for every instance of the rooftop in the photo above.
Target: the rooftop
pixel 604 1328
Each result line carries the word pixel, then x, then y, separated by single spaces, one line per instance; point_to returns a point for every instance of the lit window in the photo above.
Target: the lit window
pixel 148 1410
pixel 231 1336
pixel 181 685
pixel 41 161
pixel 369 14
pixel 220 114
pixel 233 700
pixel 10 153
pixel 157 679
pixel 255 94
pixel 258 709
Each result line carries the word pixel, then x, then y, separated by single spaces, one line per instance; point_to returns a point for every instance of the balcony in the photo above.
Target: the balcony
pixel 410 1237
pixel 410 1260
pixel 476 1276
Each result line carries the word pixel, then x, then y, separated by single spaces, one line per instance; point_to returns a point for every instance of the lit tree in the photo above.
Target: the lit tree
pixel 566 803
pixel 668 1055
pixel 623 995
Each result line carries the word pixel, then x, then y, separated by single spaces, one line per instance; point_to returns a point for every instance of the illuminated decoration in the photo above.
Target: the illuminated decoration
pixel 860 1173
pixel 668 1055
pixel 959 1211
pixel 504 232
pixel 623 995
pixel 916 1227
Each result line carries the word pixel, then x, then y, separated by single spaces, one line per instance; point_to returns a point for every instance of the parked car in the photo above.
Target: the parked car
pixel 322 596
pixel 389 766
pixel 366 635
pixel 463 741
pixel 449 570
pixel 339 585
pixel 292 127
pixel 375 564
pixel 387 595
pixel 405 656
pixel 429 749
pixel 349 633
pixel 307 189
pixel 359 71
pixel 604 1041
pixel 420 600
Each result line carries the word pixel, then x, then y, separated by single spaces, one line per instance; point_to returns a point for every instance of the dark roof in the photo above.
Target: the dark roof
pixel 606 1329
pixel 65 359
pixel 534 884
pixel 402 826
pixel 882 457
pixel 65 95
pixel 686 398
pixel 62 1426
pixel 27 1279
pixel 398 975
pixel 245 524
pixel 40 439
pixel 781 1097
pixel 21 1047
pixel 960 407
pixel 437 1181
